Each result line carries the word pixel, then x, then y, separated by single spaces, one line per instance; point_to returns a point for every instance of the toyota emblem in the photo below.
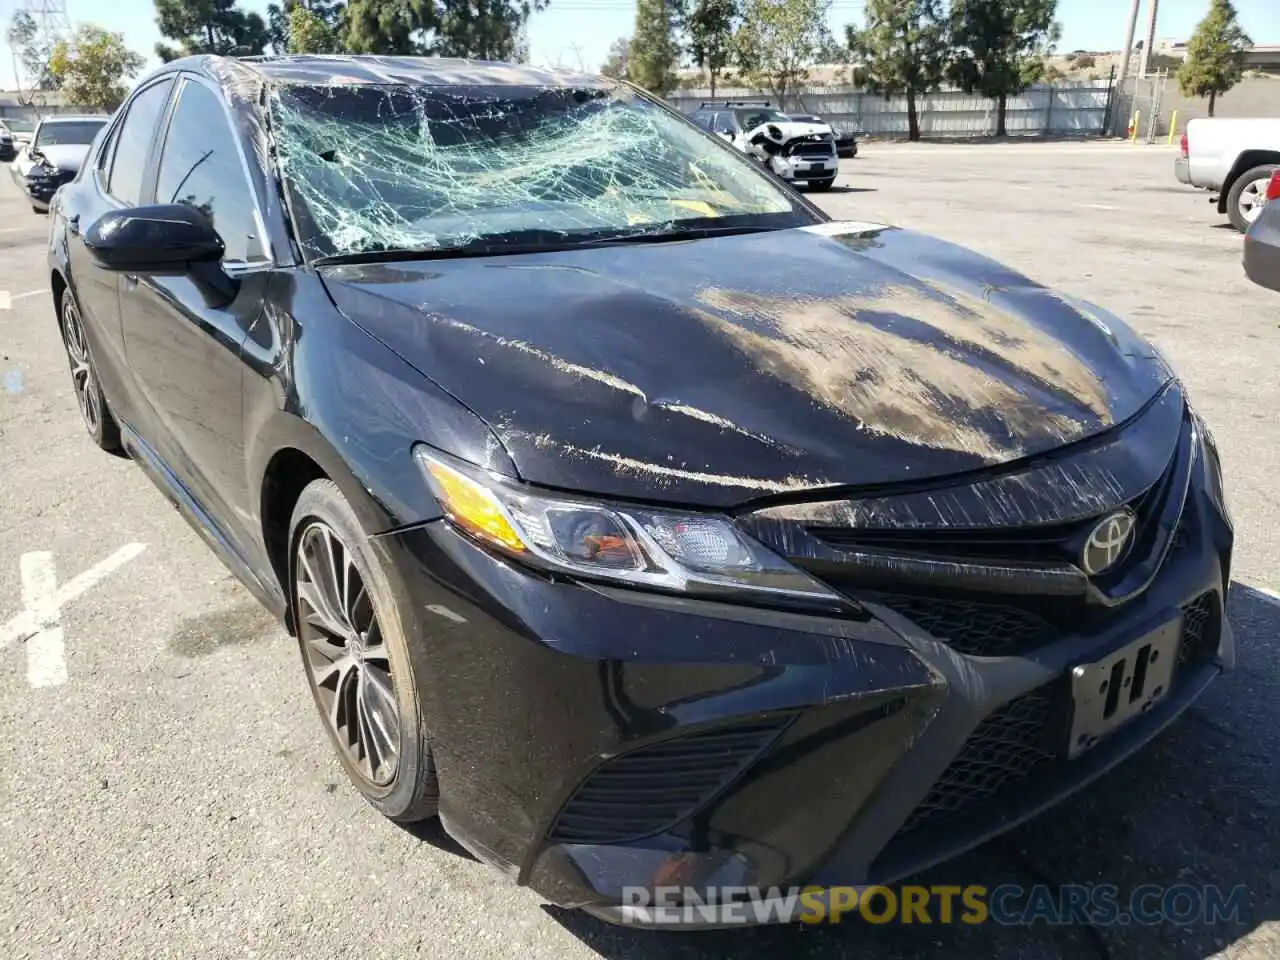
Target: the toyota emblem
pixel 1108 542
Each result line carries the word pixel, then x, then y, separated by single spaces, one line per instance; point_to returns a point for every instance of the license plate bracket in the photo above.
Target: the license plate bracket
pixel 1108 693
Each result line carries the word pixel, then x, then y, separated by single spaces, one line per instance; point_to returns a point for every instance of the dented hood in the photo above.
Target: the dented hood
pixel 722 370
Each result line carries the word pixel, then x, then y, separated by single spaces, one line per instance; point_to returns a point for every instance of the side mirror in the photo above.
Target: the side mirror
pixel 162 239
pixel 171 239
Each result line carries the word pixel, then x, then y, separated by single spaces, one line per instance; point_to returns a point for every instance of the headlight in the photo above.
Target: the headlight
pixel 640 546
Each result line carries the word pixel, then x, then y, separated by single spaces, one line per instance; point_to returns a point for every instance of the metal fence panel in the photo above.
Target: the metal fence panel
pixel 1045 109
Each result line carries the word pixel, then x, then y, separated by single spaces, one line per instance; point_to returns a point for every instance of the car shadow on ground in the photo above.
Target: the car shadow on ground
pixel 844 189
pixel 1199 806
pixel 432 832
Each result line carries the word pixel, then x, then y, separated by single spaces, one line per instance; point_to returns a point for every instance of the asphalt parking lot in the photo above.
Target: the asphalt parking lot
pixel 166 791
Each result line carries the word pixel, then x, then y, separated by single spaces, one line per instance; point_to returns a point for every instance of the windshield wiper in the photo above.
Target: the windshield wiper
pixel 683 233
pixel 535 241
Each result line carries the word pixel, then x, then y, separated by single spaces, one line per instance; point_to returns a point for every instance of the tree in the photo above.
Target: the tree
pixel 208 26
pixel 92 66
pixel 1213 63
pixel 654 51
pixel 279 25
pixel 710 26
pixel 903 49
pixel 308 33
pixel 487 29
pixel 1000 46
pixel 33 47
pixel 778 40
pixel 617 62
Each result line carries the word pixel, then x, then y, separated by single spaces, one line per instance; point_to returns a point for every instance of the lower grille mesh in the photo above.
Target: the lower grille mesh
pixel 974 629
pixel 1199 638
pixel 1004 749
pixel 643 792
pixel 1019 738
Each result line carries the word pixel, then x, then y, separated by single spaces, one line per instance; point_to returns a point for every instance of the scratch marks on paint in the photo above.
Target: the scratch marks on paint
pixel 928 392
pixel 603 377
pixel 664 474
pixel 564 366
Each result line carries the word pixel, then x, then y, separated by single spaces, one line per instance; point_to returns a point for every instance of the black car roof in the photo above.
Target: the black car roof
pixel 346 70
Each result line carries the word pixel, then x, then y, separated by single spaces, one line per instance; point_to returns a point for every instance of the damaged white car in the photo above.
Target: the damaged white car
pixel 795 150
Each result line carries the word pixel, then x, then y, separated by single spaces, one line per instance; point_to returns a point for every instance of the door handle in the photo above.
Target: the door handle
pixel 131 279
pixel 73 224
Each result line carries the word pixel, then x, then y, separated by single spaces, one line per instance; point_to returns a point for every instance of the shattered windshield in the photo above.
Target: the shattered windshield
pixel 424 168
pixel 68 131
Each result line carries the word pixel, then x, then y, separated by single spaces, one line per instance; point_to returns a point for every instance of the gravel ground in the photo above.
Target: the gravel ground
pixel 175 797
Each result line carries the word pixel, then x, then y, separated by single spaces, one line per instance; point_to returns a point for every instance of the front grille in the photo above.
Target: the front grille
pixel 1025 735
pixel 820 150
pixel 1008 745
pixel 974 629
pixel 648 790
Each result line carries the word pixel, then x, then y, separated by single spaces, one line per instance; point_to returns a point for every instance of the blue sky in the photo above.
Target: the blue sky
pixel 580 31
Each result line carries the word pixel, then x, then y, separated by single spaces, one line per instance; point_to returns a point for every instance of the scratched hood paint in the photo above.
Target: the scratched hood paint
pixel 719 371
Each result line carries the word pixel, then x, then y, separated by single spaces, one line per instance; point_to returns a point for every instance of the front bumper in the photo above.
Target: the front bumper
pixel 803 169
pixel 40 189
pixel 590 739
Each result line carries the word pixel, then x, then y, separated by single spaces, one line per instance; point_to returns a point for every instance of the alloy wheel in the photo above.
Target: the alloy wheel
pixel 82 377
pixel 346 658
pixel 1252 199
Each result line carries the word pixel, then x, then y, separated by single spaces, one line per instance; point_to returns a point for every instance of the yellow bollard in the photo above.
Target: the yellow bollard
pixel 1133 126
pixel 1173 126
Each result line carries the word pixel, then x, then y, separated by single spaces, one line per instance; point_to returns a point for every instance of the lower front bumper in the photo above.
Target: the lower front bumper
pixel 591 740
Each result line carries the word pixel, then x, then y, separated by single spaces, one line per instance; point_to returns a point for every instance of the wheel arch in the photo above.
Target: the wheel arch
pixel 1245 162
pixel 290 454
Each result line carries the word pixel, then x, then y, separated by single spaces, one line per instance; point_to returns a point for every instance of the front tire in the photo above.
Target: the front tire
pixel 94 412
pixel 356 657
pixel 822 185
pixel 1247 197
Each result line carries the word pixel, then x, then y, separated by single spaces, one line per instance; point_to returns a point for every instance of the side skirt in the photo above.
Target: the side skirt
pixel 168 483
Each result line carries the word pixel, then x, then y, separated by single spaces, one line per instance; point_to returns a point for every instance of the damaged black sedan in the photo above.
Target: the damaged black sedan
pixel 632 516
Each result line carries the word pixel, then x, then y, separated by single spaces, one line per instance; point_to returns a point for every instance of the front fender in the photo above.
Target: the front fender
pixel 318 384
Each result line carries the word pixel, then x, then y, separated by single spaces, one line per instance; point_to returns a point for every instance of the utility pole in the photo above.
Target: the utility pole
pixel 1150 42
pixel 1126 51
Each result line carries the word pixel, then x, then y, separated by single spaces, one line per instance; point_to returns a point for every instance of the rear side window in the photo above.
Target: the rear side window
pixel 133 141
pixel 199 166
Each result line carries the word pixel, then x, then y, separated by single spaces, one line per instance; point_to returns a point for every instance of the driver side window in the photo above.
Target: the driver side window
pixel 200 167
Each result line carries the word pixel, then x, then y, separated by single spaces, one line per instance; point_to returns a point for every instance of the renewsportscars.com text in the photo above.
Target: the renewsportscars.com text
pixel 1008 905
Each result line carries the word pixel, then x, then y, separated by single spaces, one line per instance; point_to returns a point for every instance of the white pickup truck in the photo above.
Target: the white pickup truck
pixel 1234 159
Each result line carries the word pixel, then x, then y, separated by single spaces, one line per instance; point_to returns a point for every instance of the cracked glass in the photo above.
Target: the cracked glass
pixel 372 168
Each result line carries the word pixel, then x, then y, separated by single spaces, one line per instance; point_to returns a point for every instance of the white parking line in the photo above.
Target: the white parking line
pixel 39 624
pixel 46 650
pixel 7 298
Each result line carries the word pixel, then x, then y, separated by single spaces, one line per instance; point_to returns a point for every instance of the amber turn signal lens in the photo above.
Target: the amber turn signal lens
pixel 473 508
